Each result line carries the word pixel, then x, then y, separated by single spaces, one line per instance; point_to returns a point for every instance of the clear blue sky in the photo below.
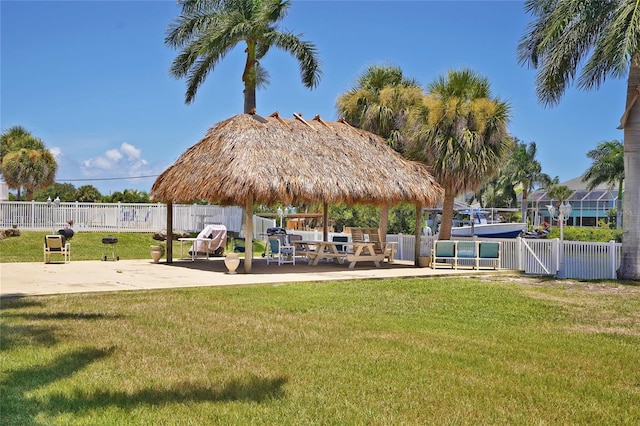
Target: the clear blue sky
pixel 90 78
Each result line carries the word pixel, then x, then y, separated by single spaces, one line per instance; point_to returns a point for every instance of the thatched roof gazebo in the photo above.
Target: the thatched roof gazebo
pixel 248 158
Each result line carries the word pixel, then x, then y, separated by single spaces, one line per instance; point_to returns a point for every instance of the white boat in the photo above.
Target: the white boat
pixel 480 227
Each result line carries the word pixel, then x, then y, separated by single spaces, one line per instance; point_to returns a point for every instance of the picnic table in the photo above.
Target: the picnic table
pixel 359 252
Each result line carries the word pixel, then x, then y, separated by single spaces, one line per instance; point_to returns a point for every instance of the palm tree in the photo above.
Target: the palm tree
pixel 15 138
pixel 30 169
pixel 522 169
pixel 559 192
pixel 25 162
pixel 207 30
pixel 460 131
pixel 602 38
pixel 496 192
pixel 607 167
pixel 379 103
pixel 88 193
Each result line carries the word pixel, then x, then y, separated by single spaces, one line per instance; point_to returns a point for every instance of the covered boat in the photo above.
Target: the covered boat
pixel 479 226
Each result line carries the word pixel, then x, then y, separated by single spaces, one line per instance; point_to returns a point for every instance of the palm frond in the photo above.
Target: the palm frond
pixel 196 76
pixel 305 52
pixel 607 164
pixel 589 38
pixel 616 46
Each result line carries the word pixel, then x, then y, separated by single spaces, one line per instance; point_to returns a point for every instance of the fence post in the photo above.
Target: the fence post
pixel 556 251
pixel 33 214
pixel 520 258
pixel 612 259
pixel 118 214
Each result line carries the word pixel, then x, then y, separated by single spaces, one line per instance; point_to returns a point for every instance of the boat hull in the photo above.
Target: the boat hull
pixel 491 230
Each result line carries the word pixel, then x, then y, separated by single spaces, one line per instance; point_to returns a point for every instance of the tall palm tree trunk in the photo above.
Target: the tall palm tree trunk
pixel 630 262
pixel 249 79
pixel 619 206
pixel 249 99
pixel 525 205
pixel 447 215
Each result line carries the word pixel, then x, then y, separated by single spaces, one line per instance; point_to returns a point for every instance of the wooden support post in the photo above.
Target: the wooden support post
pixel 325 221
pixel 418 233
pixel 170 232
pixel 248 234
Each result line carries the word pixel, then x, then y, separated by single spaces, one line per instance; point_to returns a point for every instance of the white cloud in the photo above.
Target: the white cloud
pixel 56 151
pixel 120 162
pixel 114 170
pixel 130 151
pixel 113 155
pixel 103 163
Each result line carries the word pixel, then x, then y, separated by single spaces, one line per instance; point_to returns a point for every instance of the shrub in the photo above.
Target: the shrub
pixel 573 233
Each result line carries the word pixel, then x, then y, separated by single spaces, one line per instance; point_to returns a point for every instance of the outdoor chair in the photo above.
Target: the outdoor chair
pixel 344 249
pixel 341 239
pixel 238 245
pixel 357 235
pixel 466 254
pixel 443 254
pixel 298 247
pixel 279 249
pixel 490 252
pixel 56 244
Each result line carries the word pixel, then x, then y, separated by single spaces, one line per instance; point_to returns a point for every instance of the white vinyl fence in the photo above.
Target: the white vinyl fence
pixel 569 259
pixel 115 217
pixel 591 260
pixel 532 256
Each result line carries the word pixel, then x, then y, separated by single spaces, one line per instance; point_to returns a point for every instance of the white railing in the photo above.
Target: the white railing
pixel 581 260
pixel 115 217
pixel 537 257
pixel 590 260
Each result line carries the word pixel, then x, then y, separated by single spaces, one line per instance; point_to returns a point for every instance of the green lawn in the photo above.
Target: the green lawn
pixel 28 247
pixel 499 350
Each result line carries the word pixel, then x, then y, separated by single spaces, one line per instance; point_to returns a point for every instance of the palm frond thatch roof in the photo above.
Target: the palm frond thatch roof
pixel 294 161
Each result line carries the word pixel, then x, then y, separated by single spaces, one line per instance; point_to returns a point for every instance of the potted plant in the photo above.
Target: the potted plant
pixel 424 261
pixel 232 261
pixel 157 251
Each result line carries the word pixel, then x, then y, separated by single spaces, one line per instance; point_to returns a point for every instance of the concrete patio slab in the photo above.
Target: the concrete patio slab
pixel 28 279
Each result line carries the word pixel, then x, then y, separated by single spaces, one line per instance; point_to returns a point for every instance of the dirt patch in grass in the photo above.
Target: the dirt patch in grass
pixel 603 287
pixel 597 307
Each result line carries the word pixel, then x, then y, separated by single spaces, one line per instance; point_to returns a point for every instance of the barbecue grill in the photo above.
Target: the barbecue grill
pixel 109 244
pixel 276 231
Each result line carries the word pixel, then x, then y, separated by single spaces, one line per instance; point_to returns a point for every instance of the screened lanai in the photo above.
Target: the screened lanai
pixel 587 207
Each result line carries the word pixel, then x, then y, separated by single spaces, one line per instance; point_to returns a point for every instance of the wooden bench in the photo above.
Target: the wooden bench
pixel 475 254
pixel 372 235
